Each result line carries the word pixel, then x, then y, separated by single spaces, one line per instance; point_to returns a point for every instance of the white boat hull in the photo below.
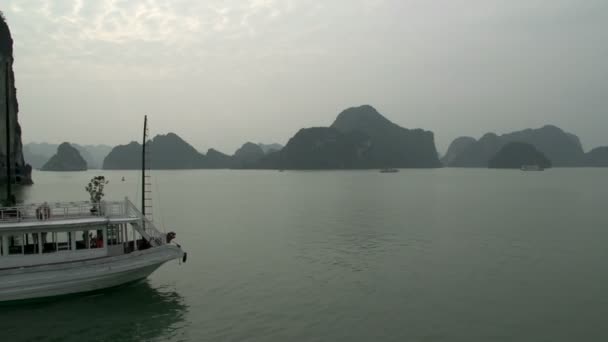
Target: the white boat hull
pixel 83 276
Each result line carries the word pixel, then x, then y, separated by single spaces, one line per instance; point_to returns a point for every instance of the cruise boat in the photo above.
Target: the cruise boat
pixel 52 249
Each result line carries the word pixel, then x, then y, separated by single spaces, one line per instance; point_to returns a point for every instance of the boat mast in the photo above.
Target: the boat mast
pixel 143 167
pixel 8 140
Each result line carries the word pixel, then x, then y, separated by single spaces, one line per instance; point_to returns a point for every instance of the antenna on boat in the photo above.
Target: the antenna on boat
pixel 9 197
pixel 143 167
pixel 146 179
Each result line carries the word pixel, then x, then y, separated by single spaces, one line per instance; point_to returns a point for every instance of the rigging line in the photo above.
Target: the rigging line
pixel 160 207
pixel 137 185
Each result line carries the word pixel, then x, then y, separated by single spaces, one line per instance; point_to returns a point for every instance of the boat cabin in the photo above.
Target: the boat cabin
pixel 42 234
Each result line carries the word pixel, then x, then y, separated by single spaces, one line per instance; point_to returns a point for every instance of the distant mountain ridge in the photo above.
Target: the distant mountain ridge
pixel 515 155
pixel 458 146
pixel 359 138
pixel 598 157
pixel 171 152
pixel 36 154
pixel 248 154
pixel 562 148
pixel 67 158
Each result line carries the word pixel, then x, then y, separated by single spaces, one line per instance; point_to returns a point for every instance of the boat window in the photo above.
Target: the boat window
pixel 49 242
pixel 96 239
pixel 30 245
pixel 15 244
pixel 113 234
pixel 82 239
pixel 64 241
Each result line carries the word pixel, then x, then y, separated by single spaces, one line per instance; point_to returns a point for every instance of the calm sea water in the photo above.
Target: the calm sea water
pixel 422 255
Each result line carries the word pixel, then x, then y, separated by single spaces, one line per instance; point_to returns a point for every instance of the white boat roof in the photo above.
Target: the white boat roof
pixel 50 216
pixel 64 223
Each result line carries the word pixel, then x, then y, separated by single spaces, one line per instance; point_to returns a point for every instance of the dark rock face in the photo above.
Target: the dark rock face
pixel 458 146
pixel 217 160
pixel 390 144
pixel 168 152
pixel 67 159
pixel 360 138
pixel 248 154
pixel 37 154
pixel 322 148
pixel 124 157
pixel 365 119
pixel 563 149
pixel 172 152
pixel 479 153
pixel 514 155
pixel 597 157
pixel 21 172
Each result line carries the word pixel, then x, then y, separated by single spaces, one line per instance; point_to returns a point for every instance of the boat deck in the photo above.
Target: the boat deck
pixel 64 223
pixel 59 215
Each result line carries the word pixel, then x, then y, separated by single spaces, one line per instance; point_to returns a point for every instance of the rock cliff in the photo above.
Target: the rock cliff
pixel 458 146
pixel 514 155
pixel 67 159
pixel 21 172
pixel 167 152
pixel 598 157
pixel 562 148
pixel 248 154
pixel 359 138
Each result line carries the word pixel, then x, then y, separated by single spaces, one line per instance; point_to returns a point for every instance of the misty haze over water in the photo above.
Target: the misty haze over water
pixel 401 232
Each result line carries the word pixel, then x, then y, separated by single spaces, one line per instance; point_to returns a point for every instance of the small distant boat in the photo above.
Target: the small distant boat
pixel 389 170
pixel 123 179
pixel 532 168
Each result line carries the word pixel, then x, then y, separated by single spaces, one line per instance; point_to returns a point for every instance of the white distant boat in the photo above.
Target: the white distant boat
pixel 532 168
pixel 53 249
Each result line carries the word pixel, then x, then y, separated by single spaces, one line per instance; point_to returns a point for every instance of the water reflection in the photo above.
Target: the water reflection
pixel 136 312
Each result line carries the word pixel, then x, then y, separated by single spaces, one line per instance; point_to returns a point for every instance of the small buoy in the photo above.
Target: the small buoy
pixel 185 257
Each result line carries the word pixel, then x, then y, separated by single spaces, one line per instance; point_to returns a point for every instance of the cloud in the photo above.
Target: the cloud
pixel 95 36
pixel 518 62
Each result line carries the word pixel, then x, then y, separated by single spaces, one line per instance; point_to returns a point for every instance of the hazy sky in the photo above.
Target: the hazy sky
pixel 222 72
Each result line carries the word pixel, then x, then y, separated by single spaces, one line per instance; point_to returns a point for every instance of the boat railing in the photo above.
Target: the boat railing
pixel 49 211
pixel 147 229
pixel 61 211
